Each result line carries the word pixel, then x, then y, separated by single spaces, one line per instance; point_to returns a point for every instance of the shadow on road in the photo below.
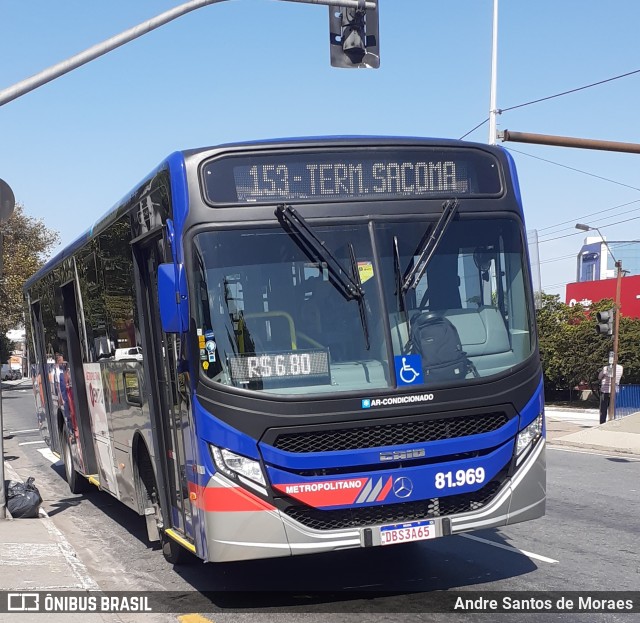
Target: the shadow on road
pixel 394 579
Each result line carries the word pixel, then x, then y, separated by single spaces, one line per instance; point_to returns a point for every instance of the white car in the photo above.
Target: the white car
pixel 133 352
pixel 9 373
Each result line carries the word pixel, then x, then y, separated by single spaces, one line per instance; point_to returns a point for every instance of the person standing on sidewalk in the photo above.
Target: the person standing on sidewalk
pixel 604 377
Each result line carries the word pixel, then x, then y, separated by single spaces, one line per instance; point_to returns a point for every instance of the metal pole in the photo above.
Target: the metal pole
pixel 569 141
pixel 493 111
pixel 55 71
pixel 349 4
pixel 7 205
pixel 3 496
pixel 616 333
pixel 616 320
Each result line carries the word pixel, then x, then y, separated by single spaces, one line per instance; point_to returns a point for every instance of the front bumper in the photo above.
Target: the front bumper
pixel 241 526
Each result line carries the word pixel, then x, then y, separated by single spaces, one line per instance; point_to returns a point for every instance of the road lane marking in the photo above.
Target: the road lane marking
pixel 30 443
pixel 622 455
pixel 50 456
pixel 193 618
pixel 510 549
pixel 26 430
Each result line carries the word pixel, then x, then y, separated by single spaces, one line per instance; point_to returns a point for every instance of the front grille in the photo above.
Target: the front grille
pixel 393 513
pixel 381 435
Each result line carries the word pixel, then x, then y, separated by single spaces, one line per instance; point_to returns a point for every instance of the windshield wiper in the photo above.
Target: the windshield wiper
pixel 361 305
pixel 348 285
pixel 449 209
pixel 398 275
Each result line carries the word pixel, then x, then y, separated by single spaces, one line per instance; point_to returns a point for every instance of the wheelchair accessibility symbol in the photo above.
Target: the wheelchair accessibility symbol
pixel 408 369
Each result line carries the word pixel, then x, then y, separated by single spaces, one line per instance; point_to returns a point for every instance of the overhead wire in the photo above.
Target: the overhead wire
pixel 635 218
pixel 564 166
pixel 549 97
pixel 627 243
pixel 582 88
pixel 597 222
pixel 550 227
pixel 585 216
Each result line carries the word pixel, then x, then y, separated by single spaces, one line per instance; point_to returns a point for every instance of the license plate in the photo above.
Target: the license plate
pixel 407 532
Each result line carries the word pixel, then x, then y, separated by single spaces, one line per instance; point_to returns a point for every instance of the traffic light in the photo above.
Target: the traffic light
pixel 354 39
pixel 605 322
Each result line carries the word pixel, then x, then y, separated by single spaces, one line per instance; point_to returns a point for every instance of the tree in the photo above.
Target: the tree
pixel 572 352
pixel 6 348
pixel 27 245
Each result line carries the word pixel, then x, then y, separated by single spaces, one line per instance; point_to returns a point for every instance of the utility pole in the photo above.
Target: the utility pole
pixel 585 143
pixel 493 106
pixel 55 71
pixel 616 334
pixel 616 320
pixel 7 204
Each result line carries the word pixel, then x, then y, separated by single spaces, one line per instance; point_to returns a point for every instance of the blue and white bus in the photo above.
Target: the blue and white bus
pixel 253 348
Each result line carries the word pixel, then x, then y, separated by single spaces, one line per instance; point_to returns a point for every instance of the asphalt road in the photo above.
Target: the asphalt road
pixel 588 541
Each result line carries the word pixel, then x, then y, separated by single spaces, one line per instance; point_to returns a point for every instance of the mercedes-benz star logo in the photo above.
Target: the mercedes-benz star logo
pixel 402 487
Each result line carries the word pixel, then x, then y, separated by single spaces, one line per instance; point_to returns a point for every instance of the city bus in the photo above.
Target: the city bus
pixel 296 346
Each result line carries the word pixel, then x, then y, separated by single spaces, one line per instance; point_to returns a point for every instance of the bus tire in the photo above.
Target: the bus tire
pixel 76 482
pixel 148 489
pixel 174 553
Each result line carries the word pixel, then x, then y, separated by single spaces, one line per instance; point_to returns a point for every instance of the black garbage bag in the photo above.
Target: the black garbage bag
pixel 23 498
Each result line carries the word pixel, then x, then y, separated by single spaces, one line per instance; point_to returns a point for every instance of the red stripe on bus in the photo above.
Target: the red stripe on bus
pixel 226 499
pixel 385 490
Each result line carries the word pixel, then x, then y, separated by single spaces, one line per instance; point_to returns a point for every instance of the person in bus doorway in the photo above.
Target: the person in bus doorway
pixel 604 376
pixel 58 375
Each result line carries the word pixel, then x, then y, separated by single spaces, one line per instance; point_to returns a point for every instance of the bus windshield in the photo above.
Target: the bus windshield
pixel 271 317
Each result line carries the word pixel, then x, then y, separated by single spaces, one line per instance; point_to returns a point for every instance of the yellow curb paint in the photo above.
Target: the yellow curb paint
pixel 193 618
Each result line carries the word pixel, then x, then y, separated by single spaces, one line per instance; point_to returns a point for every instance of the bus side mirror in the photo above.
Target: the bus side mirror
pixel 172 298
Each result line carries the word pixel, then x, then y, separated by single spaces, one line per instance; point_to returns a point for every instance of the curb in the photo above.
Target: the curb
pixel 551 409
pixel 9 474
pixel 591 446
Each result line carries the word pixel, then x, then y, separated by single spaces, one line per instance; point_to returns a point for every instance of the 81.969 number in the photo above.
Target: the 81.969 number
pixel 459 478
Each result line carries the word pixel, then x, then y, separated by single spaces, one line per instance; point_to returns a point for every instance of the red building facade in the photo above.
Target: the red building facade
pixel 588 292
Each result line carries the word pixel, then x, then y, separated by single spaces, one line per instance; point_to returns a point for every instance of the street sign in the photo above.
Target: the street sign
pixel 7 201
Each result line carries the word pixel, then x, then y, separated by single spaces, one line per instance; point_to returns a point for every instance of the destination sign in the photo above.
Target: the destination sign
pixel 351 174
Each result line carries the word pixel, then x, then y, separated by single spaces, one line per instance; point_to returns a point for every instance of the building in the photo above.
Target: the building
pixel 596 275
pixel 18 359
pixel 595 262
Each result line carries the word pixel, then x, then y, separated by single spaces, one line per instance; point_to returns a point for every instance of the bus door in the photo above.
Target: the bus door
pixel 169 416
pixel 72 383
pixel 44 403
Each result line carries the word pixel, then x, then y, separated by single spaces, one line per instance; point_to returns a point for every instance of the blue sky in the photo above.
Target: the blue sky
pixel 252 69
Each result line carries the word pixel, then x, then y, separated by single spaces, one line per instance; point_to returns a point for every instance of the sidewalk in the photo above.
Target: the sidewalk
pixel 580 428
pixel 36 556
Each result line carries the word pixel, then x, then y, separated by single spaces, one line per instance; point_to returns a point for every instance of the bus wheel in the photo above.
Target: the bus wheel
pixel 76 482
pixel 173 552
pixel 149 497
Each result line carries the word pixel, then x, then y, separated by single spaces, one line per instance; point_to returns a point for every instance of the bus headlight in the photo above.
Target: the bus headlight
pixel 528 436
pixel 232 464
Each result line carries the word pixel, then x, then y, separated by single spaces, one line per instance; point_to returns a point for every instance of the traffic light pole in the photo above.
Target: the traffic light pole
pixel 616 333
pixel 7 205
pixel 55 71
